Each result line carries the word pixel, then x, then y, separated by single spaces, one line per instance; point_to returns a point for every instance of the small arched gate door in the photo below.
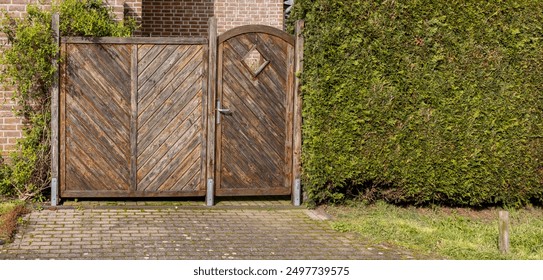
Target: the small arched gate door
pixel 255 105
pixel 174 117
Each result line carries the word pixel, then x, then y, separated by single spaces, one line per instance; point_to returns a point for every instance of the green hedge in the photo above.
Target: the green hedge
pixel 436 101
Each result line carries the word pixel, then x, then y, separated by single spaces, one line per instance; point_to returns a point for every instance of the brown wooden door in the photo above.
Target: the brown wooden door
pixel 133 117
pixel 254 131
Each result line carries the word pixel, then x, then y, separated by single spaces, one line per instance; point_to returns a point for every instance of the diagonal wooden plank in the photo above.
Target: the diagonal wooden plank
pixel 143 49
pixel 243 140
pixel 91 81
pixel 104 126
pixel 274 92
pixel 254 99
pixel 162 76
pixel 160 80
pixel 271 47
pixel 275 71
pixel 239 173
pixel 79 176
pixel 275 54
pixel 145 74
pixel 188 183
pixel 117 55
pixel 189 64
pixel 149 158
pixel 126 52
pixel 194 184
pixel 101 147
pixel 274 48
pixel 182 121
pixel 98 59
pixel 150 55
pixel 99 166
pixel 232 58
pixel 272 138
pixel 150 126
pixel 241 169
pixel 154 168
pixel 159 175
pixel 92 95
pixel 254 158
pixel 181 172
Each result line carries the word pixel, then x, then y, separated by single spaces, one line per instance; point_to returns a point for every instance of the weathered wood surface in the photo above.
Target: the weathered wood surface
pixel 297 122
pixel 62 119
pixel 138 116
pixel 135 40
pixel 170 130
pixel 55 97
pixel 133 117
pixel 262 29
pixel 97 117
pixel 210 113
pixel 503 230
pixel 134 120
pixel 254 155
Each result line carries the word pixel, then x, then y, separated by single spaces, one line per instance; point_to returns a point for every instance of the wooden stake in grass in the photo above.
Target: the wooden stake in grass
pixel 503 226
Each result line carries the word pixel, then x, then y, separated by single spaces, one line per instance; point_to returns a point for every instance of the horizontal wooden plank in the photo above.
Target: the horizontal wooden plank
pixel 136 40
pixel 131 194
pixel 252 191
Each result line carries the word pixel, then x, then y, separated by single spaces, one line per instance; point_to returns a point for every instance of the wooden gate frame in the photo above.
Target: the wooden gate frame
pixel 210 130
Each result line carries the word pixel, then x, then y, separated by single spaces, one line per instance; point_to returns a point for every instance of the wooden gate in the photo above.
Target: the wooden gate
pixel 255 95
pixel 148 117
pixel 131 117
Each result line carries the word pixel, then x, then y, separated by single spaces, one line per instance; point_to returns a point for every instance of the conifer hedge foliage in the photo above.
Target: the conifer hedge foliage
pixel 423 101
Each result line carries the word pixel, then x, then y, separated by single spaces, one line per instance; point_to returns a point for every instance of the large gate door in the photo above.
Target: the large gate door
pixel 254 112
pixel 133 117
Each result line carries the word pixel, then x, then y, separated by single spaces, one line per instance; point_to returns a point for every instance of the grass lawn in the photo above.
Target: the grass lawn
pixel 10 211
pixel 450 233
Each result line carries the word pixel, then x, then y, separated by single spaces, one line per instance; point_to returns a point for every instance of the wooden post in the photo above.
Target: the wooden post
pixel 297 143
pixel 503 228
pixel 211 99
pixel 133 119
pixel 55 91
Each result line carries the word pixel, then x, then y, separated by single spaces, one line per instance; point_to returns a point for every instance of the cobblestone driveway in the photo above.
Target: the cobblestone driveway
pixel 186 233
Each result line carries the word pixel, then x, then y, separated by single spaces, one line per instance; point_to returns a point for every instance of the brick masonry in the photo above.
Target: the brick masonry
pixel 169 18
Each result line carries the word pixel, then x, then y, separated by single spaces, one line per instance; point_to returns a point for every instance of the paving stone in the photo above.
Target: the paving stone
pixel 173 231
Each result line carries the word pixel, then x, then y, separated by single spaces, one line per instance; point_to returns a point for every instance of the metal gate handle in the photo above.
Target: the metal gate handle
pixel 221 110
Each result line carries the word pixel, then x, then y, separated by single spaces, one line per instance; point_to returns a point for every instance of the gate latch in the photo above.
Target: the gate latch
pixel 221 110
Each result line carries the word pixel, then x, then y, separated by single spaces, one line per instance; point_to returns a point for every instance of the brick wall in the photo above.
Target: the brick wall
pixel 10 125
pixel 233 13
pixel 175 18
pixel 169 18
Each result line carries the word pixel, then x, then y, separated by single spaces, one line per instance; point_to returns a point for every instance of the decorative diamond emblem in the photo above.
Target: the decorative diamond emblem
pixel 255 61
